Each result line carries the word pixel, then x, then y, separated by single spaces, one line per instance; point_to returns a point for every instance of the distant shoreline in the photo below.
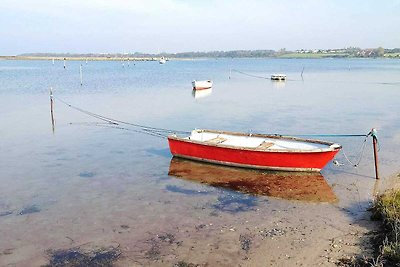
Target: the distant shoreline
pixel 82 58
pixel 79 58
pixel 350 52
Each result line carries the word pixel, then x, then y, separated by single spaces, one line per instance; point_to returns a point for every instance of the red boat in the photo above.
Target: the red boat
pixel 259 151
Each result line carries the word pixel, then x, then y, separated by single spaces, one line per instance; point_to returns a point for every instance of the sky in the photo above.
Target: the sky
pixel 127 26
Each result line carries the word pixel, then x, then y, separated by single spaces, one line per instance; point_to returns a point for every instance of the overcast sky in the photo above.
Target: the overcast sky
pixel 80 26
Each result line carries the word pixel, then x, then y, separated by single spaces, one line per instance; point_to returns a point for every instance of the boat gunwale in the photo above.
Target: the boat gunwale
pixel 291 138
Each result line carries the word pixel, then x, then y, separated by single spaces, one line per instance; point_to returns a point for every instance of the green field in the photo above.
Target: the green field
pixel 392 55
pixel 313 55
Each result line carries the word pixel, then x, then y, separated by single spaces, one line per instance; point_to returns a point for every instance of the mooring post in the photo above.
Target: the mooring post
pixel 375 144
pixel 51 109
pixel 80 72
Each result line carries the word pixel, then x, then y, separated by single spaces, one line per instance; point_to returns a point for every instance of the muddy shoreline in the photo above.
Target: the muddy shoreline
pixel 291 234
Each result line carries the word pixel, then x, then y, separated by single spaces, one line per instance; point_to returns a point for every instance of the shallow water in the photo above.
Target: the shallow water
pixel 79 185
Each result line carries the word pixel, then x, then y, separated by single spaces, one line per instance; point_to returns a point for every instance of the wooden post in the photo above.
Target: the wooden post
pixel 375 143
pixel 80 72
pixel 51 109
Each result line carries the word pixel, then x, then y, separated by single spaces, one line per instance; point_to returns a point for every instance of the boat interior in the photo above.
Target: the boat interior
pixel 255 142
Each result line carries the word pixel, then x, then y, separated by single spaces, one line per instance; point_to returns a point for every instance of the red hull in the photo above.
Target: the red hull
pixel 284 160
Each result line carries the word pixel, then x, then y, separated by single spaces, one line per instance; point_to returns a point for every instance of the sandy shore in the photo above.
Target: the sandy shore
pixel 292 233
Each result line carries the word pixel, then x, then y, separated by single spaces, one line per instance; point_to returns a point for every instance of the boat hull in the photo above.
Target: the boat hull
pixel 247 158
pixel 201 85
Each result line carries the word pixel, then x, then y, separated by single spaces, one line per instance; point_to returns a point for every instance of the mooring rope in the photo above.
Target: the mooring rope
pixel 323 135
pixel 107 125
pixel 251 75
pixel 294 80
pixel 155 131
pixel 163 133
pixel 257 76
pixel 360 153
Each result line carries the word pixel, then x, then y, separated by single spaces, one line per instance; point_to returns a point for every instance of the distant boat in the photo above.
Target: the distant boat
pixel 199 85
pixel 259 151
pixel 201 93
pixel 162 60
pixel 278 77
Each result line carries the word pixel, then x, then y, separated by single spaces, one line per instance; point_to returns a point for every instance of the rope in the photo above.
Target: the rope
pixel 251 75
pixel 373 134
pixel 161 132
pixel 120 128
pixel 361 152
pixel 324 135
pixel 294 80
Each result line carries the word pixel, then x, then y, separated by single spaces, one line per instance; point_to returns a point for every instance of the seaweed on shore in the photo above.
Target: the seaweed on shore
pixel 87 174
pixel 29 209
pixel 245 242
pixel 235 202
pixel 185 264
pixel 190 192
pixel 159 244
pixel 76 257
pixel 5 213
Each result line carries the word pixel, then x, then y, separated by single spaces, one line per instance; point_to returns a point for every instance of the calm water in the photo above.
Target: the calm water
pixel 89 184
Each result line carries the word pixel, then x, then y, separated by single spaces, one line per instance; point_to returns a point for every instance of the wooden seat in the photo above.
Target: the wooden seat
pixel 216 140
pixel 265 145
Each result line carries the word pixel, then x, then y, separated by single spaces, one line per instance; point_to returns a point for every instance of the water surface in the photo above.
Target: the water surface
pixel 92 185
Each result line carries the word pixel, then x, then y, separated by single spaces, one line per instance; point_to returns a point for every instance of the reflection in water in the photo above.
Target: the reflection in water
pixel 278 84
pixel 287 185
pixel 201 93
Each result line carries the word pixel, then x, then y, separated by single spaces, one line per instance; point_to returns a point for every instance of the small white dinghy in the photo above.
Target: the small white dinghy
pixel 278 77
pixel 199 85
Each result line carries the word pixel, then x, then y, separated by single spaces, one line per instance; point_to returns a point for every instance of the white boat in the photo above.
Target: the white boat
pixel 278 77
pixel 199 85
pixel 162 60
